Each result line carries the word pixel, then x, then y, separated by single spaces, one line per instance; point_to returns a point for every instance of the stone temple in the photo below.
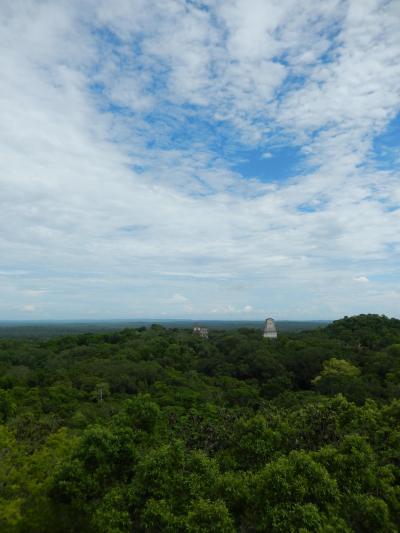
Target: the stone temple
pixel 270 331
pixel 201 332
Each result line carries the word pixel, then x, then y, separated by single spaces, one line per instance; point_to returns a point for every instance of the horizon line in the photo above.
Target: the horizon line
pixel 156 320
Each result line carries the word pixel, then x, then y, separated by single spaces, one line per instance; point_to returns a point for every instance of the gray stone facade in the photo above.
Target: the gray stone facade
pixel 270 331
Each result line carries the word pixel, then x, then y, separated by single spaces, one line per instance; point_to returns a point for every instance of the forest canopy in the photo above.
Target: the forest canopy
pixel 156 429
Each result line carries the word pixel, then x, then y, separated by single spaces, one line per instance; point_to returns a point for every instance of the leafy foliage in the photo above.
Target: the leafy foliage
pixel 155 429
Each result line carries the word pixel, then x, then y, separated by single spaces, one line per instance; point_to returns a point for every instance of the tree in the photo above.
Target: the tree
pixel 292 493
pixel 339 376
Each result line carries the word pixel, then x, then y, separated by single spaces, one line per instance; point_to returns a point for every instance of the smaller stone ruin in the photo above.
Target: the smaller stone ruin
pixel 201 332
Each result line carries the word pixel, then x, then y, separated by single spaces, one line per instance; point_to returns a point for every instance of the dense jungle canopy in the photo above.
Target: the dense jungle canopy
pixel 155 429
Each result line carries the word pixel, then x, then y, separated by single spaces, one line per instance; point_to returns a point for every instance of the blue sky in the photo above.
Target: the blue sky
pixel 218 159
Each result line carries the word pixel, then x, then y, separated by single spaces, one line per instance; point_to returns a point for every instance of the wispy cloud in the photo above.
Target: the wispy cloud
pixel 28 308
pixel 121 125
pixel 361 279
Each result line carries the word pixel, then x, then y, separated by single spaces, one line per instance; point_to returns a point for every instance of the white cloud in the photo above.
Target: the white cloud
pixel 224 310
pixel 28 308
pixel 361 279
pixel 178 298
pixel 34 293
pixel 80 157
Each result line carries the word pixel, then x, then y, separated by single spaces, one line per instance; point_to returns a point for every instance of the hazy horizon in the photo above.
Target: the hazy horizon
pixel 54 328
pixel 188 159
pixel 147 320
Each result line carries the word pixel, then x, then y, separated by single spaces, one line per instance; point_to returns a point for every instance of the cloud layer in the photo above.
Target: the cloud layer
pixel 122 127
